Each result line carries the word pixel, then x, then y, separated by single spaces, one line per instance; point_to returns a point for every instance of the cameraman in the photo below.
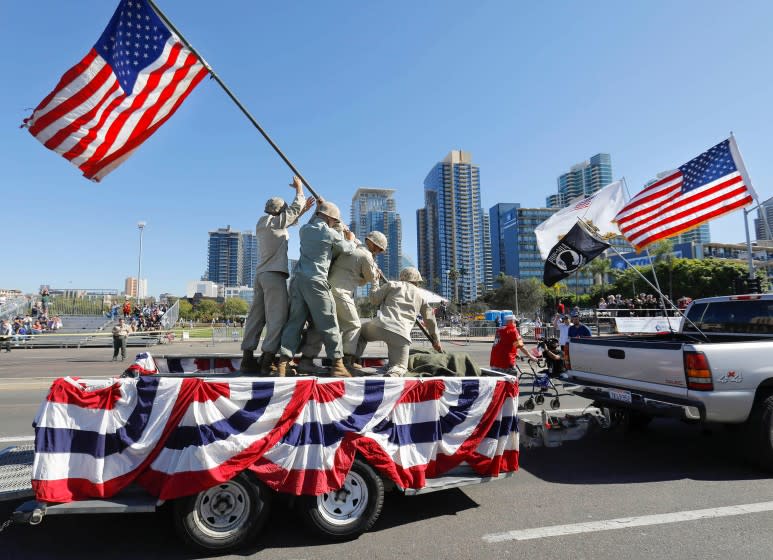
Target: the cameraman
pixel 554 357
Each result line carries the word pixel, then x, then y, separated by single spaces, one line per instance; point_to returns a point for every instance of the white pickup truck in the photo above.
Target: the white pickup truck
pixel 718 368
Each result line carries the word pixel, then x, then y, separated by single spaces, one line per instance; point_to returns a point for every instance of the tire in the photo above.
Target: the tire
pixel 346 513
pixel 224 517
pixel 759 441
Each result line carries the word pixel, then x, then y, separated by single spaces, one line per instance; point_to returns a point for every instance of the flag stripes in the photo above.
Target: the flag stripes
pixel 179 436
pixel 91 120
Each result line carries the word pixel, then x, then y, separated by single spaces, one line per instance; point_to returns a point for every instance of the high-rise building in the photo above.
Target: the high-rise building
pixel 249 258
pixel 764 212
pixel 519 231
pixel 130 287
pixel 450 229
pixel 232 257
pixel 376 209
pixel 504 245
pixel 582 180
pixel 700 234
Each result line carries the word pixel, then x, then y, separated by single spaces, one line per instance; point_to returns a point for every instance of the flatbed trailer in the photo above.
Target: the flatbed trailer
pixel 228 515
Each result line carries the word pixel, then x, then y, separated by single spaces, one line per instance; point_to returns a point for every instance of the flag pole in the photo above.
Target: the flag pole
pixel 232 96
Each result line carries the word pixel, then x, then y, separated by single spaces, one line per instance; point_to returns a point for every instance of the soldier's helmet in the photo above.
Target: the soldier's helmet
pixel 378 239
pixel 330 210
pixel 274 205
pixel 410 274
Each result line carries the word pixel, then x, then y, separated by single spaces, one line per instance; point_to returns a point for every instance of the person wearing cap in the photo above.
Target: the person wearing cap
pixel 507 341
pixel 270 301
pixel 347 272
pixel 310 293
pixel 399 303
pixel 577 329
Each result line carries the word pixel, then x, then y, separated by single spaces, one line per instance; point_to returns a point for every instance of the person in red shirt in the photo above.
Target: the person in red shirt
pixel 560 307
pixel 506 344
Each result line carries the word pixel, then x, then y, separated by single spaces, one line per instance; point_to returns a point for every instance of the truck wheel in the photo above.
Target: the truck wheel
pixel 348 512
pixel 224 517
pixel 760 433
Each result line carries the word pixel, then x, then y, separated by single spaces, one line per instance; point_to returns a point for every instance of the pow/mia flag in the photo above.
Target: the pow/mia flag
pixel 575 249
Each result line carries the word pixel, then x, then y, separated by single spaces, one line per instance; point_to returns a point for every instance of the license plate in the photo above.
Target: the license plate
pixel 618 395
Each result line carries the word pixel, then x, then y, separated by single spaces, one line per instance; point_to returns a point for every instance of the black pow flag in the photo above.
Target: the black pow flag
pixel 575 249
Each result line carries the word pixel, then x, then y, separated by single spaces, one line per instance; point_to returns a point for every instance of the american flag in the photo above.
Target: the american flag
pixel 706 187
pixel 132 80
pixel 584 203
pixel 178 436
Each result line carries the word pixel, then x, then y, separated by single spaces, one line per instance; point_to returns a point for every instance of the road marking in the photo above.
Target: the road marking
pixel 626 522
pixel 16 438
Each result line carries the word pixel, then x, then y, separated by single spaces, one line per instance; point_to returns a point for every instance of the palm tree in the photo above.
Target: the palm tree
pixel 600 267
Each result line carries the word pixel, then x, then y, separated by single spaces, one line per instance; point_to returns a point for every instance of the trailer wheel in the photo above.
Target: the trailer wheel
pixel 760 434
pixel 348 512
pixel 224 517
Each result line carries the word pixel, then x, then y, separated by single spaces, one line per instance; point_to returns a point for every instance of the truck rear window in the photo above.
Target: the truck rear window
pixel 740 316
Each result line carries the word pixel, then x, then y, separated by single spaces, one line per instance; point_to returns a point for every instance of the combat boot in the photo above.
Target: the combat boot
pixel 338 369
pixel 350 362
pixel 282 367
pixel 266 361
pixel 249 363
pixel 306 365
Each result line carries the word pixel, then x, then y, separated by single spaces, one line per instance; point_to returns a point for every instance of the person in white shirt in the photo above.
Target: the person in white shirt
pixel 563 333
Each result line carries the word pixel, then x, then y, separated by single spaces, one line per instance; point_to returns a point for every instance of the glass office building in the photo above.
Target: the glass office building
pixel 232 257
pixel 376 209
pixel 450 229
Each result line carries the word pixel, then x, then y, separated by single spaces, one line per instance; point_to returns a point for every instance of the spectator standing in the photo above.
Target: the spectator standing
pixel 560 308
pixel 120 332
pixel 577 328
pixel 507 341
pixel 45 300
pixel 5 335
pixel 127 309
pixel 563 333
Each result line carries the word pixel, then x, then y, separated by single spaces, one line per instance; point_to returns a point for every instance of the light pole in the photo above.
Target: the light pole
pixel 141 227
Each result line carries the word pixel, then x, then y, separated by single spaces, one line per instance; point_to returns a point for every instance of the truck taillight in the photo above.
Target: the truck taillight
pixel 697 372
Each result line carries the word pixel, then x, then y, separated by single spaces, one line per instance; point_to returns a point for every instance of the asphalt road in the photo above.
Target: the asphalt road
pixel 670 491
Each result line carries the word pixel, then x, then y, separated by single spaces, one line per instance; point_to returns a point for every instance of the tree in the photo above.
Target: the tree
pixel 663 251
pixel 207 310
pixel 600 267
pixel 234 307
pixel 453 276
pixel 186 310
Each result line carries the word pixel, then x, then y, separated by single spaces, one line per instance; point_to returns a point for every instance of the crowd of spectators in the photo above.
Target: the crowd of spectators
pixel 147 318
pixel 642 305
pixel 23 327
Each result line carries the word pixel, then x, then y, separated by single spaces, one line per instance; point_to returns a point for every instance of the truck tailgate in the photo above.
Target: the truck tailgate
pixel 647 361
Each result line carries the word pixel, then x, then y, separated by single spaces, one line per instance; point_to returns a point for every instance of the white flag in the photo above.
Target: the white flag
pixel 599 209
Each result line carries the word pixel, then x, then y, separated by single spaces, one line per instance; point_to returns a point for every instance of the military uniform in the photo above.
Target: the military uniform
pixel 399 304
pixel 270 299
pixel 346 273
pixel 310 292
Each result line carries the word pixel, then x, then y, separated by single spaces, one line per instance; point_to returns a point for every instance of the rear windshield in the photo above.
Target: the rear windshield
pixel 739 316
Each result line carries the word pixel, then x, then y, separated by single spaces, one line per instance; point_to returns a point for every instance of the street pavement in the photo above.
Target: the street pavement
pixel 671 491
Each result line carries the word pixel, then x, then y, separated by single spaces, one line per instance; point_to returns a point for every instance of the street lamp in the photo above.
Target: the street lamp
pixel 141 227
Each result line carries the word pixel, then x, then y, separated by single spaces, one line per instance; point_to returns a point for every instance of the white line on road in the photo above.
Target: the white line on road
pixel 626 522
pixel 16 438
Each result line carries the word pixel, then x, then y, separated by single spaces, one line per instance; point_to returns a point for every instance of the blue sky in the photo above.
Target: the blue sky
pixel 373 94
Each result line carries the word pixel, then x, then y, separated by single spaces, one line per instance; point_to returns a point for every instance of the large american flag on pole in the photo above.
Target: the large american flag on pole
pixel 706 187
pixel 178 436
pixel 131 81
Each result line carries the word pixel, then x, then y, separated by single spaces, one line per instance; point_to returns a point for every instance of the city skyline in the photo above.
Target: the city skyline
pixel 387 100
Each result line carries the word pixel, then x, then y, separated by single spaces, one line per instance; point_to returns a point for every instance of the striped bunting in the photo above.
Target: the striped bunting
pixel 176 437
